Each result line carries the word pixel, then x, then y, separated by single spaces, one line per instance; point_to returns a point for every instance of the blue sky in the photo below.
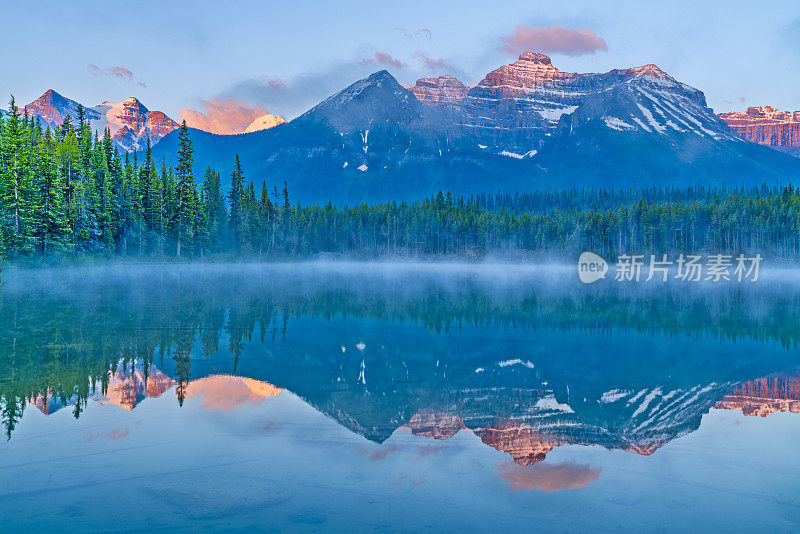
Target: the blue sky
pixel 285 56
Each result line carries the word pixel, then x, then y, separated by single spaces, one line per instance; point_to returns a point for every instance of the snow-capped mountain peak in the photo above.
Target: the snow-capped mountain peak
pixel 378 98
pixel 265 122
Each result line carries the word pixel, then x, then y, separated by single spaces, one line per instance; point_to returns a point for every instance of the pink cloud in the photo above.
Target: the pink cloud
pixel 552 39
pixel 116 71
pixel 382 58
pixel 422 32
pixel 431 64
pixel 547 477
pixel 274 83
pixel 222 116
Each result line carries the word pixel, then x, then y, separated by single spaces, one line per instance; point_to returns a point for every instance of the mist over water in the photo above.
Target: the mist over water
pixel 404 373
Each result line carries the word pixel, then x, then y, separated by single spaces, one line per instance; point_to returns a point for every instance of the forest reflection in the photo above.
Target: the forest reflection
pixel 445 349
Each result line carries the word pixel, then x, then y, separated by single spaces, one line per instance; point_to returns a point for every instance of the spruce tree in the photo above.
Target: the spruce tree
pixel 186 190
pixel 236 202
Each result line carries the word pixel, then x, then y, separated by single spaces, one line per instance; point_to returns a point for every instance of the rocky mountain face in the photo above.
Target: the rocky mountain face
pixel 767 126
pixel 432 424
pixel 518 106
pixel 441 90
pixel 764 396
pixel 265 122
pixel 525 445
pixel 129 121
pixel 127 388
pixel 639 422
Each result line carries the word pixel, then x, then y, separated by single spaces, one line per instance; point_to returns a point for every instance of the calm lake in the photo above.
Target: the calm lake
pixel 396 397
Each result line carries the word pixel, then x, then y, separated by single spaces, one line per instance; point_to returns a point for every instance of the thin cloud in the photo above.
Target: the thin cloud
pixel 737 100
pixel 431 64
pixel 116 71
pixel 273 82
pixel 555 39
pixel 547 477
pixel 424 33
pixel 382 58
pixel 222 116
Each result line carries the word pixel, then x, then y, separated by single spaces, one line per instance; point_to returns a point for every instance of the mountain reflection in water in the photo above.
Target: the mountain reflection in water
pixel 526 360
pixel 526 442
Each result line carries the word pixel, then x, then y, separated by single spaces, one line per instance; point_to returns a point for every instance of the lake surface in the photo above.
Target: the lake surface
pixel 354 397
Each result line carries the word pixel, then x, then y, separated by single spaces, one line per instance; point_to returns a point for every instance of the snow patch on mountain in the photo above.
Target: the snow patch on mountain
pixel 555 114
pixel 551 404
pixel 514 155
pixel 617 124
pixel 515 361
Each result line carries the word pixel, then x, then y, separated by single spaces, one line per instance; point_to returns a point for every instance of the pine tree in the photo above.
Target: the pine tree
pixel 212 211
pixel 52 222
pixel 236 202
pixel 266 215
pixel 186 189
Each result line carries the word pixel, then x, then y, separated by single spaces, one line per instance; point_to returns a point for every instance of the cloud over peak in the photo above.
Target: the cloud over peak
pixel 555 39
pixel 273 82
pixel 431 64
pixel 222 115
pixel 382 58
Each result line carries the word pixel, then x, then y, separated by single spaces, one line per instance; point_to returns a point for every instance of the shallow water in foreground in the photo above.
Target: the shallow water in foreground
pixel 347 397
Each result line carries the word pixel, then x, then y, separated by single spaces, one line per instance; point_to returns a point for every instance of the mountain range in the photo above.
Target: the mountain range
pixel 129 121
pixel 639 422
pixel 525 126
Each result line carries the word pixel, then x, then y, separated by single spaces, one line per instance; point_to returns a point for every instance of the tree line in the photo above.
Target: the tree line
pixel 68 192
